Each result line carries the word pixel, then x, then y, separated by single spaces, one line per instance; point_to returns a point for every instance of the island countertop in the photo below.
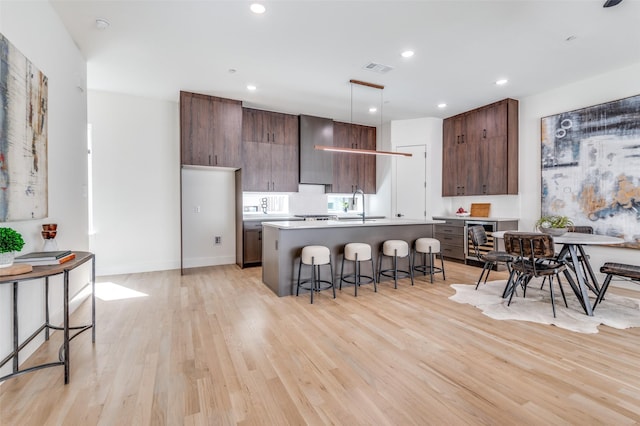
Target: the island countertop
pixel 314 224
pixel 283 241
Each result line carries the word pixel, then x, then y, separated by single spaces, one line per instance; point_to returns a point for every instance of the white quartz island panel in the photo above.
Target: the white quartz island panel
pixel 283 241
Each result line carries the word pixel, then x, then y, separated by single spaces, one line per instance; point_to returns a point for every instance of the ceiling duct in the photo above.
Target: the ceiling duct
pixel 379 68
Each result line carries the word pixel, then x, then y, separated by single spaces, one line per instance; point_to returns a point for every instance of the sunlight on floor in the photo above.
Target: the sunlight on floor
pixel 111 291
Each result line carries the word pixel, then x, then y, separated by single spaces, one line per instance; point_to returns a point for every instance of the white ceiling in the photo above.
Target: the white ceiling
pixel 302 54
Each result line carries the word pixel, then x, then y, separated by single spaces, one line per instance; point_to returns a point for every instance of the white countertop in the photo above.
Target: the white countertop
pixel 347 223
pixel 478 218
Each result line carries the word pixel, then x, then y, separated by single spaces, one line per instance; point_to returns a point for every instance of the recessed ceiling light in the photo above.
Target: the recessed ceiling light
pixel 232 70
pixel 407 53
pixel 501 82
pixel 102 24
pixel 373 109
pixel 442 105
pixel 570 38
pixel 257 8
pixel 251 87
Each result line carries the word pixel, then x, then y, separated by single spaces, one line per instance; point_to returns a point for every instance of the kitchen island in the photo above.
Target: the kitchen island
pixel 283 241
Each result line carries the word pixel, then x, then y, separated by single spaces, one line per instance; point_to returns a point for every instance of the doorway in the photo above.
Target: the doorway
pixel 411 183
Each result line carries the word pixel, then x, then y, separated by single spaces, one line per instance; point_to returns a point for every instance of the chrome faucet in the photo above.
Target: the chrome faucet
pixel 353 201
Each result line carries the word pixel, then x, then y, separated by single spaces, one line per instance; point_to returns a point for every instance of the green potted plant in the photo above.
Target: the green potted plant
pixel 554 224
pixel 10 242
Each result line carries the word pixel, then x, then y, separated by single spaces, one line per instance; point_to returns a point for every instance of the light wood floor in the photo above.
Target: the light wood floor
pixel 216 347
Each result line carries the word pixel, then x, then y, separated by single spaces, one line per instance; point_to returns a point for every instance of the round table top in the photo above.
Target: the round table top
pixel 575 238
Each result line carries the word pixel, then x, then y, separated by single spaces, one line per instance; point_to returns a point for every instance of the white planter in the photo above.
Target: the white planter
pixel 6 259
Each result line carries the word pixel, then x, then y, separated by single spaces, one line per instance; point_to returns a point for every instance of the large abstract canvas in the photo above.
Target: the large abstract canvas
pixel 23 137
pixel 591 167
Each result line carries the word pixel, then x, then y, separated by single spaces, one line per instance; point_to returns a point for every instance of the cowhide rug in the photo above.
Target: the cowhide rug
pixel 615 311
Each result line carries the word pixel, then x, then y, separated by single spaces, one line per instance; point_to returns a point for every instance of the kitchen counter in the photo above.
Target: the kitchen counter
pixel 282 242
pixel 477 218
pixel 347 223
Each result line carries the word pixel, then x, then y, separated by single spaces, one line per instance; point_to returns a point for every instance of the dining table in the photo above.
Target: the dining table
pixel 573 250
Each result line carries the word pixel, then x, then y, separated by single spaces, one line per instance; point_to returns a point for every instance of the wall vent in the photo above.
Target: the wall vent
pixel 379 68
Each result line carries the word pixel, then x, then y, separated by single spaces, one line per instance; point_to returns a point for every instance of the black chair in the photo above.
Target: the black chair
pixel 478 238
pixel 534 257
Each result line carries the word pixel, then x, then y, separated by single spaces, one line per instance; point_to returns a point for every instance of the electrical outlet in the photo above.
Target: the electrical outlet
pixel 218 240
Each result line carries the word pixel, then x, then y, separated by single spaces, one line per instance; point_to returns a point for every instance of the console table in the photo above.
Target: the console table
pixel 46 272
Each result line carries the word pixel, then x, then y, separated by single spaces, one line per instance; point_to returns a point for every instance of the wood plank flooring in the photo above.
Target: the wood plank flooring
pixel 217 347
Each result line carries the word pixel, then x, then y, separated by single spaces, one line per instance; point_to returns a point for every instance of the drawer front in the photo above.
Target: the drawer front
pixel 455 252
pixel 252 225
pixel 449 229
pixel 450 239
pixel 450 222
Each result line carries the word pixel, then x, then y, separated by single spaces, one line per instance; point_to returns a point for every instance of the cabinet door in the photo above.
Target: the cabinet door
pixel 254 127
pixel 196 145
pixel 367 166
pixel 494 153
pixel 345 173
pixel 227 132
pixel 454 156
pixel 476 169
pixel 256 168
pixel 252 246
pixel 284 156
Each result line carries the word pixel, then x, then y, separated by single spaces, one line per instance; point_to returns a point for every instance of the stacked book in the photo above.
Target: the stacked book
pixel 43 258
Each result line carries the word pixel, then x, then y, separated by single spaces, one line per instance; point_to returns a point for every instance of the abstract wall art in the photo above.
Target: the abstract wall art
pixel 591 167
pixel 23 137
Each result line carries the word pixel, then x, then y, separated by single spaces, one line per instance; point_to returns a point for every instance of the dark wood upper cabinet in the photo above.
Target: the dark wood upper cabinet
pixel 480 151
pixel 352 170
pixel 210 131
pixel 270 151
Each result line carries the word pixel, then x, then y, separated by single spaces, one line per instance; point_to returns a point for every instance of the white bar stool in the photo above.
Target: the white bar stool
pixel 428 247
pixel 315 256
pixel 395 249
pixel 358 252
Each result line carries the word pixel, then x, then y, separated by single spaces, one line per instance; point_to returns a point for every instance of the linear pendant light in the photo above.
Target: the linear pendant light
pixel 363 151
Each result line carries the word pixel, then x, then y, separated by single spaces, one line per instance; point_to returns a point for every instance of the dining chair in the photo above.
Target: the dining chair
pixel 478 238
pixel 534 258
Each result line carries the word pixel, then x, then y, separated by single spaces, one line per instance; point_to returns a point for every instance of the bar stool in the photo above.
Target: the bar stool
pixel 428 247
pixel 315 256
pixel 358 252
pixel 395 249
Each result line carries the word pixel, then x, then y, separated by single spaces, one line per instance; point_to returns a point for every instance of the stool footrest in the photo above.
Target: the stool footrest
pixel 321 285
pixel 351 279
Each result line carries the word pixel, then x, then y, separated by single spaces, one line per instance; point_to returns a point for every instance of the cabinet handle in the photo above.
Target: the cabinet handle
pixel 484 133
pixel 268 185
pixel 216 160
pixel 458 140
pixel 273 186
pixel 273 137
pixel 484 189
pixel 209 159
pixel 462 138
pixel 267 137
pixel 259 235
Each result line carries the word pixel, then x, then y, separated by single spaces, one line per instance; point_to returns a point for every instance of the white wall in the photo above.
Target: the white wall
pixel 208 210
pixel 35 30
pixel 136 183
